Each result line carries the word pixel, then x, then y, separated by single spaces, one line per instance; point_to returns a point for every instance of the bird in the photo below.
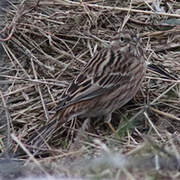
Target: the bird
pixel 107 82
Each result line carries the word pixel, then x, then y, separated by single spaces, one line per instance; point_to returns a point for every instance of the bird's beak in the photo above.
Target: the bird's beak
pixel 135 40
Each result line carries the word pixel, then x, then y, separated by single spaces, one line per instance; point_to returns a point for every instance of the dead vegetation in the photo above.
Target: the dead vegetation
pixel 46 45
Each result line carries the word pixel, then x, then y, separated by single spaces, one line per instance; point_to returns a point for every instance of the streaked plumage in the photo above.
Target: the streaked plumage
pixel 108 81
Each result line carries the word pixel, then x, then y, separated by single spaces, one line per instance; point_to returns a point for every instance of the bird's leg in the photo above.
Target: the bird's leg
pixel 108 121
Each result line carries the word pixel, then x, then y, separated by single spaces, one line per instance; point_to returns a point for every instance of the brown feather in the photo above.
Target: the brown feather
pixel 108 81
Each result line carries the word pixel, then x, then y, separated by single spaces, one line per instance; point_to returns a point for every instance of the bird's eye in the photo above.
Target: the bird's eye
pixel 121 39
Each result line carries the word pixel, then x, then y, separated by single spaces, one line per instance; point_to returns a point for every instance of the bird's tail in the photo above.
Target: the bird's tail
pixel 45 133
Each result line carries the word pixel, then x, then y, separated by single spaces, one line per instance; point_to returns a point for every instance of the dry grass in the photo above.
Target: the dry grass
pixel 46 45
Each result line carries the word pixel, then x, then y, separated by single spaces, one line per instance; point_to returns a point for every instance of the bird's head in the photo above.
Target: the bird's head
pixel 126 41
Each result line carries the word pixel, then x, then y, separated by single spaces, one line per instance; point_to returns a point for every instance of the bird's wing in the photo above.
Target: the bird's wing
pixel 101 75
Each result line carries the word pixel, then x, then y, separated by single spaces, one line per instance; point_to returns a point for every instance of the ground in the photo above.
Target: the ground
pixel 45 44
